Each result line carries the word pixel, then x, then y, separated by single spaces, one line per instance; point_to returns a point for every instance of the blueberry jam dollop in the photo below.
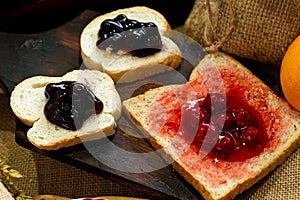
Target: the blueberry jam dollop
pixel 139 39
pixel 70 103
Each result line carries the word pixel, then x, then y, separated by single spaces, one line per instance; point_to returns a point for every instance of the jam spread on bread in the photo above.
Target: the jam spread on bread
pixel 127 35
pixel 70 103
pixel 227 127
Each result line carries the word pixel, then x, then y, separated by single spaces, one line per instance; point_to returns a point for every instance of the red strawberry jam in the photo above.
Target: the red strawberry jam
pixel 223 126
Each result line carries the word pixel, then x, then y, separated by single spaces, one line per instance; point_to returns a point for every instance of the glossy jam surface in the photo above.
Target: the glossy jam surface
pixel 70 103
pixel 226 127
pixel 130 36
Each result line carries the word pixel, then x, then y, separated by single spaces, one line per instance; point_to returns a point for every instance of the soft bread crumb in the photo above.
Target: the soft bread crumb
pixel 28 100
pixel 116 65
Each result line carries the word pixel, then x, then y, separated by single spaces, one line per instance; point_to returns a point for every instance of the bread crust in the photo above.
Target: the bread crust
pixel 261 165
pixel 117 65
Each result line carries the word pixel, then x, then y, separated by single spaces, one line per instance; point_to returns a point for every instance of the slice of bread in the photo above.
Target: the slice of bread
pixel 226 179
pixel 28 100
pixel 115 64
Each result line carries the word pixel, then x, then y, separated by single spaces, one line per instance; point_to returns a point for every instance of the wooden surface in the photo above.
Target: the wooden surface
pixel 56 52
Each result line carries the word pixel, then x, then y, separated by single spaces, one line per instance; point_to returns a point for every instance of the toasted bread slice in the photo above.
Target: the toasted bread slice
pixel 115 64
pixel 28 100
pixel 224 180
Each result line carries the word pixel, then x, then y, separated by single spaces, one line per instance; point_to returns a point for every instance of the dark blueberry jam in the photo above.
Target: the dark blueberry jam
pixel 130 36
pixel 70 103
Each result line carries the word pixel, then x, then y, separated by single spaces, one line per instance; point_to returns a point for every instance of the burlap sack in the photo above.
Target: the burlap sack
pixel 259 30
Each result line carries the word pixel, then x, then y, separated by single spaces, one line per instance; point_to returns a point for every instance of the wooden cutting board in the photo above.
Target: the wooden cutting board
pixel 56 52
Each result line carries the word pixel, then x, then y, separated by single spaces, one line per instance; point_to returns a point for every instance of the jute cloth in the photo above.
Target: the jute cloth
pixel 259 30
pixel 43 175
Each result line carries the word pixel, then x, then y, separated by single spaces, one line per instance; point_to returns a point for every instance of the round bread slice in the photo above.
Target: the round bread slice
pixel 115 64
pixel 46 135
pixel 28 100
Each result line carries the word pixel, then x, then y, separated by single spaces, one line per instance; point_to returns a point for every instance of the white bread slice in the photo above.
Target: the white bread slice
pixel 28 100
pixel 115 64
pixel 225 182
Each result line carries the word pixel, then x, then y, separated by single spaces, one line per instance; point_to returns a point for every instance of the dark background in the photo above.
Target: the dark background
pixel 27 16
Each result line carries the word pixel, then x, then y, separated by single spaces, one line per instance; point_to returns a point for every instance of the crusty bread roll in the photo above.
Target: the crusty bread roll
pixel 225 180
pixel 28 100
pixel 116 65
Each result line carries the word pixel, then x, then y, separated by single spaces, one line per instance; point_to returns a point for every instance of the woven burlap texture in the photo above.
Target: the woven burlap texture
pixel 43 175
pixel 262 30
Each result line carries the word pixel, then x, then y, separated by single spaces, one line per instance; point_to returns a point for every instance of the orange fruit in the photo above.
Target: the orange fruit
pixel 290 74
